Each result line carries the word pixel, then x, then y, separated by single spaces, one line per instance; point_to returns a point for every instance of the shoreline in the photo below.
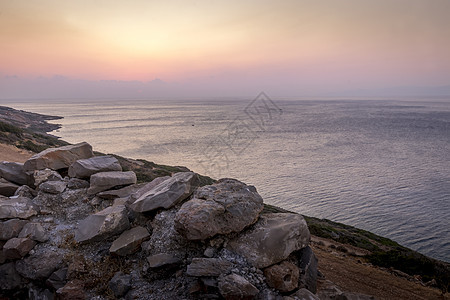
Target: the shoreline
pixel 317 226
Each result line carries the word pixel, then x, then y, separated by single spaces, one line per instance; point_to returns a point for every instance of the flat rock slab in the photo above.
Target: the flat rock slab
pixel 273 238
pixel 108 222
pixel 235 286
pixel 7 188
pixel 129 241
pixel 162 259
pixel 84 168
pixel 13 172
pixel 58 158
pixel 208 267
pixel 168 193
pixel 121 193
pixel 146 188
pixel 106 180
pixel 11 228
pixel 224 207
pixel 21 208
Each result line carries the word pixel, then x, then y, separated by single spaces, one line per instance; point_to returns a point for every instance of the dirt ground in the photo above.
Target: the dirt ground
pixel 12 153
pixel 352 274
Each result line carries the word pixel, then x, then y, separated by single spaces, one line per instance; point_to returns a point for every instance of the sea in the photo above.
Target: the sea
pixel 379 165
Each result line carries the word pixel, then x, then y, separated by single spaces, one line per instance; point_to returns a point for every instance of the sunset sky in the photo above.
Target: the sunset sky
pixel 102 48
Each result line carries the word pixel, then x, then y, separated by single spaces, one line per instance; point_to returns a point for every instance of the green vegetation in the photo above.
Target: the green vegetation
pixel 6 127
pixel 29 145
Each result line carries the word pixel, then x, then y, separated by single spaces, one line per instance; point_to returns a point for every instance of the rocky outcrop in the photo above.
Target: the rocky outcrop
pixel 58 158
pixel 273 238
pixel 84 168
pixel 168 193
pixel 97 232
pixel 106 180
pixel 225 207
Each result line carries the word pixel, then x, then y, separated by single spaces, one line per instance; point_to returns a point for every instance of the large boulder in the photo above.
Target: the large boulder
pixel 106 180
pixel 283 276
pixel 168 193
pixel 272 239
pixel 11 228
pixel 84 168
pixel 13 171
pixel 235 286
pixel 129 241
pixel 7 188
pixel 58 158
pixel 22 208
pixel 108 222
pixel 224 207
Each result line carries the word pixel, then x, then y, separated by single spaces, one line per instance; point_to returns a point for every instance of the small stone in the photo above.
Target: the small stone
pixel 120 284
pixel 11 229
pixel 53 187
pixel 162 259
pixel 76 183
pixel 41 176
pixel 16 248
pixel 209 252
pixel 129 241
pixel 73 290
pixel 34 231
pixel 25 191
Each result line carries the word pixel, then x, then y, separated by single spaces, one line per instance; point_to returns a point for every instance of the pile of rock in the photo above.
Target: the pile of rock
pixel 76 226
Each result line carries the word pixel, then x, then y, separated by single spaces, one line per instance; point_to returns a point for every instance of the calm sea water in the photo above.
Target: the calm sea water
pixel 383 166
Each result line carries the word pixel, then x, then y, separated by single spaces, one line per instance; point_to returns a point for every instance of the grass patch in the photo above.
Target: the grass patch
pixel 29 145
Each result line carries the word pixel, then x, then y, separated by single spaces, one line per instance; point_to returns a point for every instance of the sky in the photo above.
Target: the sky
pixel 139 49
